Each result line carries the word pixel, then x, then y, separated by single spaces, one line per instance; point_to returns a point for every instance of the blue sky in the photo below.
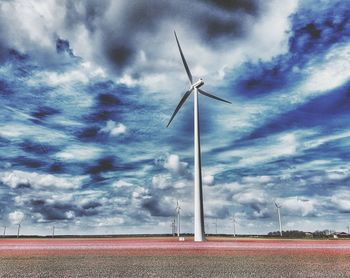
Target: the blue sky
pixel 87 88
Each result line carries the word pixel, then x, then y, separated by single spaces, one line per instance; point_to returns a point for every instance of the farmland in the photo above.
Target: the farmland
pixel 166 257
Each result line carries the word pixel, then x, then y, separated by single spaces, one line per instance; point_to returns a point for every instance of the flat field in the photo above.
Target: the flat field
pixel 167 257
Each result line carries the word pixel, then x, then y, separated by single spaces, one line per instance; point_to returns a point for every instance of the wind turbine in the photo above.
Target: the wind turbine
pixel 53 231
pixel 19 225
pixel 278 206
pixel 234 226
pixel 199 234
pixel 178 208
pixel 18 229
pixel 4 231
pixel 173 227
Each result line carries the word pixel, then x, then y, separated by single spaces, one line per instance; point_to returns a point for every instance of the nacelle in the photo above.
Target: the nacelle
pixel 198 84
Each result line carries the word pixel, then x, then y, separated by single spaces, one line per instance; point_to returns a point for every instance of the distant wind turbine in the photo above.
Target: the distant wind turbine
pixel 278 206
pixel 18 229
pixel 173 227
pixel 4 231
pixel 234 226
pixel 53 231
pixel 19 226
pixel 178 208
pixel 199 234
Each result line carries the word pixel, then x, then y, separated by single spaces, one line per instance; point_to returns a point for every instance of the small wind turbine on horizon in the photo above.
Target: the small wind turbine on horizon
pixel 234 226
pixel 18 229
pixel 19 226
pixel 4 231
pixel 173 227
pixel 178 208
pixel 199 234
pixel 278 206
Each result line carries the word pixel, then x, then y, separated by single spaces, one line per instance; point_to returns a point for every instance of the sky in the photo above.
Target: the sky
pixel 88 87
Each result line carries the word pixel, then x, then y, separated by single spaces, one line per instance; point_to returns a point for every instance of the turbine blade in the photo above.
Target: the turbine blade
pixel 182 101
pixel 212 96
pixel 184 60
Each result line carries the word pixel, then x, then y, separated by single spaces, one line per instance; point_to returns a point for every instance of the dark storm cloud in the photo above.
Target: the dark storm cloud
pixel 29 162
pixel 318 27
pixel 89 12
pixel 57 167
pixel 106 99
pixel 62 210
pixel 5 88
pixel 157 208
pixel 105 164
pixel 250 7
pixel 44 111
pixel 118 28
pixel 36 148
pixel 110 104
pixel 88 133
pixel 265 78
pixel 62 46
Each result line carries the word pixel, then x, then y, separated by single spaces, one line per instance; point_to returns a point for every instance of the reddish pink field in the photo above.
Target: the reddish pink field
pixel 166 257
pixel 146 246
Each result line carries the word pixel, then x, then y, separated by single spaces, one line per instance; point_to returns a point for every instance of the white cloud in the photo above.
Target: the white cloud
pixel 70 214
pixel 140 192
pixel 161 181
pixel 331 73
pixel 285 144
pixel 208 179
pixel 270 31
pixel 121 184
pixel 40 181
pixel 256 179
pixel 79 152
pixel 114 129
pixel 173 164
pixel 36 29
pixel 110 221
pixel 16 216
pixel 252 196
pixel 82 73
pixel 337 175
pixel 341 200
pixel 13 130
pixel 299 206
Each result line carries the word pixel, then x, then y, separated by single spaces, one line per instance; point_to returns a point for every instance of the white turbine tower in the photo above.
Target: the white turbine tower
pixel 198 194
pixel 4 231
pixel 19 225
pixel 173 228
pixel 18 229
pixel 234 226
pixel 178 208
pixel 278 206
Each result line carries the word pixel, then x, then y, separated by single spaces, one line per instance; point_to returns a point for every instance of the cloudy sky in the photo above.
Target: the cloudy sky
pixel 87 88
